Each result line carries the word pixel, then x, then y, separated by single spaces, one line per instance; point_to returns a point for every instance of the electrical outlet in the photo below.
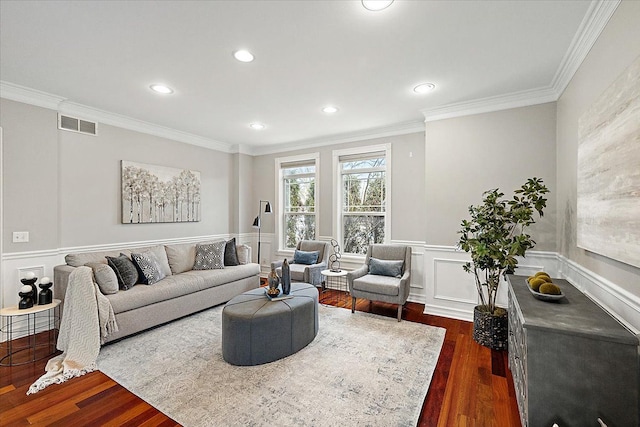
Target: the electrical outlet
pixel 20 236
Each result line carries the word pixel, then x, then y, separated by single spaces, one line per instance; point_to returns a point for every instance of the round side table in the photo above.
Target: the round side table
pixel 29 325
pixel 336 280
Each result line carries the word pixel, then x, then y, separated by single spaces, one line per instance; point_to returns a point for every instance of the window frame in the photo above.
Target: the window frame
pixel 280 164
pixel 338 220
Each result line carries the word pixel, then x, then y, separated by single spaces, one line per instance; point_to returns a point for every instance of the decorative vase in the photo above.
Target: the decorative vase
pixel 273 279
pixel 31 282
pixel 490 330
pixel 46 294
pixel 26 297
pixel 286 278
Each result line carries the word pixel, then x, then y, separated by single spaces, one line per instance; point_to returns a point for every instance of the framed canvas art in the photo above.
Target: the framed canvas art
pixel 153 193
pixel 608 207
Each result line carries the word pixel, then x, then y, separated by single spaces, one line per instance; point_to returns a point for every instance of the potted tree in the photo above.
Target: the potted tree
pixel 495 236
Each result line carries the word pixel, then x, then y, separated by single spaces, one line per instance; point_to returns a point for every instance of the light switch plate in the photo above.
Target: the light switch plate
pixel 20 236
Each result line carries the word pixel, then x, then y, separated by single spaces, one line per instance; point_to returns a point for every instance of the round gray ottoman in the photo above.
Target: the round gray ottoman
pixel 256 330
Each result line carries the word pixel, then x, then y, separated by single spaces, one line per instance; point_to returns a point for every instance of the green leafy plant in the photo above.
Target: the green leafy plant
pixel 495 236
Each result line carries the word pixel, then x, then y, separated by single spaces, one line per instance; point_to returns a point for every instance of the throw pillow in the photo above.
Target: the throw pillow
pixel 181 257
pixel 382 267
pixel 125 270
pixel 105 277
pixel 304 257
pixel 231 253
pixel 209 256
pixel 148 264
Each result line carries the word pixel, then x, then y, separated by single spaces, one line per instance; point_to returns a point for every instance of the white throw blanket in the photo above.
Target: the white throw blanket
pixel 87 320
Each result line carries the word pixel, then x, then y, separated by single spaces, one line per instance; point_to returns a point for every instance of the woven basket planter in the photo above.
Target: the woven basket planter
pixel 490 330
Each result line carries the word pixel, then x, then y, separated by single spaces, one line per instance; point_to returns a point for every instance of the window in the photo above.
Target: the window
pixel 297 197
pixel 363 197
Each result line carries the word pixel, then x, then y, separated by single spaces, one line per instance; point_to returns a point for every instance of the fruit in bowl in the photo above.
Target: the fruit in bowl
pixel 273 292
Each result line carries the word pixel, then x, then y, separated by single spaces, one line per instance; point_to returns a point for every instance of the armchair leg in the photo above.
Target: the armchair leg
pixel 353 304
pixel 400 306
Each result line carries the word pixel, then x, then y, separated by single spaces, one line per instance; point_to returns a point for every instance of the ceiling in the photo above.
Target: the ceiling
pixel 104 55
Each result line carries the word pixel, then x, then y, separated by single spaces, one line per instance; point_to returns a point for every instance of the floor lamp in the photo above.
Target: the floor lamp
pixel 257 223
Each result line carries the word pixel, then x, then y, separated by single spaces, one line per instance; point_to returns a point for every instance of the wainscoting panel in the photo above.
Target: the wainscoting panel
pixel 451 292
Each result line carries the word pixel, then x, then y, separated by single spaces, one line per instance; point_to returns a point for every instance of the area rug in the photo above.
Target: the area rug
pixel 361 370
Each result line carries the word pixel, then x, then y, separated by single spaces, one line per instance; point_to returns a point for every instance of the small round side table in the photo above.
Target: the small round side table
pixel 29 324
pixel 336 280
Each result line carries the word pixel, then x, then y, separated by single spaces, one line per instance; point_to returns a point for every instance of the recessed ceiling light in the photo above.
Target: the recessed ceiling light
pixel 376 5
pixel 424 88
pixel 330 110
pixel 161 89
pixel 243 55
pixel 256 126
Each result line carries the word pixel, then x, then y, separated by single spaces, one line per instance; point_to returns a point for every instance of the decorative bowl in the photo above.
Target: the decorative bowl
pixel 545 297
pixel 273 292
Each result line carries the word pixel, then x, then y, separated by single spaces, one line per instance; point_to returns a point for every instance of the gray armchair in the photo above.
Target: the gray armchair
pixel 303 272
pixel 375 287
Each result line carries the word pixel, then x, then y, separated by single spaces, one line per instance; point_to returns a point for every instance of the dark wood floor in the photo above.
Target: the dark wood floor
pixel 471 385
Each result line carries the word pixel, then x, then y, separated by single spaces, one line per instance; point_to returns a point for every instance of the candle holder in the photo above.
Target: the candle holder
pixel 27 297
pixel 46 294
pixel 31 282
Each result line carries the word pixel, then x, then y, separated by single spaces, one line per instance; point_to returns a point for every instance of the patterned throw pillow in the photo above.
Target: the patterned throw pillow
pixel 149 265
pixel 209 256
pixel 125 271
pixel 231 253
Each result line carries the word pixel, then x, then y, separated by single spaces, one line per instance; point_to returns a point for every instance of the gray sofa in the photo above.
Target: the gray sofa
pixel 182 292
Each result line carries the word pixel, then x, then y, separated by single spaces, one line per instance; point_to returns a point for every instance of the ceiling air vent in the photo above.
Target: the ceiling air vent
pixel 74 124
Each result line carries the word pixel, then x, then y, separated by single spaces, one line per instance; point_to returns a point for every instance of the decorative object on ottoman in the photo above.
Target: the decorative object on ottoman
pixel 46 294
pixel 273 279
pixel 495 236
pixel 286 277
pixel 334 258
pixel 256 330
pixel 30 280
pixel 26 297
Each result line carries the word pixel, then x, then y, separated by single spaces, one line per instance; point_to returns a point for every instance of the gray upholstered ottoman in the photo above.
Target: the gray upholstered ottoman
pixel 256 330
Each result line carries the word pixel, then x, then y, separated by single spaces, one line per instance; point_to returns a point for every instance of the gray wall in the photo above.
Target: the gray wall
pixel 64 187
pixel 466 156
pixel 617 47
pixel 407 182
pixel 30 175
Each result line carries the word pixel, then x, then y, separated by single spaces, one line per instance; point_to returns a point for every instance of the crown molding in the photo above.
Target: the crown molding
pixel 380 132
pixel 39 98
pixel 118 120
pixel 29 96
pixel 523 98
pixel 592 25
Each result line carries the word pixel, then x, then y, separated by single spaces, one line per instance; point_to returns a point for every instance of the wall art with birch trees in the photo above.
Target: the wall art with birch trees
pixel 153 194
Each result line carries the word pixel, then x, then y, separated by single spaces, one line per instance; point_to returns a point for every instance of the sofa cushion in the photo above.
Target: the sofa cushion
pixel 161 256
pixel 148 266
pixel 125 271
pixel 181 257
pixel 179 284
pixel 305 257
pixel 209 255
pixel 231 253
pixel 105 277
pixel 382 285
pixel 382 267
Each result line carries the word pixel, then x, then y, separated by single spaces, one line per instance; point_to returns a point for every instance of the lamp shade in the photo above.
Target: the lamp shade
pixel 256 222
pixel 267 208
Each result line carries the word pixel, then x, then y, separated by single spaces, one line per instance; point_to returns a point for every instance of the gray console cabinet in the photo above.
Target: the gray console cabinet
pixel 571 362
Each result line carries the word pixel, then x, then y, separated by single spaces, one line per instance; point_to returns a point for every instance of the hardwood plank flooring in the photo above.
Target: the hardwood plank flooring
pixel 471 386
